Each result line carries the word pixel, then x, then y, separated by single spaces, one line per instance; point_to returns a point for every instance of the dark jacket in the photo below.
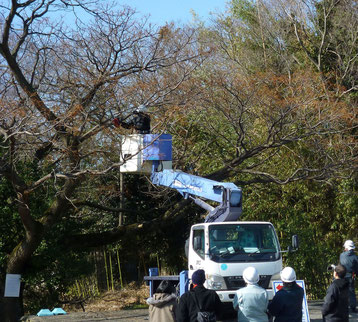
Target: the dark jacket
pixel 162 307
pixel 286 305
pixel 350 261
pixel 335 306
pixel 208 299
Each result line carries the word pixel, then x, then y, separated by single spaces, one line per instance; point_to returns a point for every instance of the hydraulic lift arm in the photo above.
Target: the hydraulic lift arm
pixel 194 187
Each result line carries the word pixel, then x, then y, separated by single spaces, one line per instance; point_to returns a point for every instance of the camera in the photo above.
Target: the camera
pixel 331 268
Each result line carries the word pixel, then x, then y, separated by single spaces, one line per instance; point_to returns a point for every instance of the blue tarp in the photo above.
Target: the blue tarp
pixel 44 312
pixel 58 311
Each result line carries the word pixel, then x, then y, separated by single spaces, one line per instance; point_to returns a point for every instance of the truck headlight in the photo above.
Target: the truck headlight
pixel 215 282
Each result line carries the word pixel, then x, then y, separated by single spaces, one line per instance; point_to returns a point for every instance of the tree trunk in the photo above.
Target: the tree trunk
pixel 22 253
pixel 11 308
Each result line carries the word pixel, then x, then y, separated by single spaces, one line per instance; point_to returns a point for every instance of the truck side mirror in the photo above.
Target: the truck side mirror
pixel 197 243
pixel 295 242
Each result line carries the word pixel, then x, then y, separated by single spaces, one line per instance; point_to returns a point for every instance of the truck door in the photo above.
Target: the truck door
pixel 197 249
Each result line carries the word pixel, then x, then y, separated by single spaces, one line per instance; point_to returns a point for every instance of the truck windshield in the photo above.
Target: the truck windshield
pixel 243 243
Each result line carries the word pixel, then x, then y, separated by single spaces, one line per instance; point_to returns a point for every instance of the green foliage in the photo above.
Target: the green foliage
pixel 339 48
pixel 51 269
pixel 315 212
pixel 245 10
pixel 11 228
pixel 51 273
pixel 140 202
pixel 10 224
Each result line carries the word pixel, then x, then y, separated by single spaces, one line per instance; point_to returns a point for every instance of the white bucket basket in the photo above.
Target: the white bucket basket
pixel 140 151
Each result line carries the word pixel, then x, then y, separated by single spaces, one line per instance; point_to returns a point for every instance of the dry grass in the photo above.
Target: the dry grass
pixel 129 296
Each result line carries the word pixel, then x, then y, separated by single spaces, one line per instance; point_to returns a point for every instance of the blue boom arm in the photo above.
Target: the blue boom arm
pixel 156 150
pixel 190 186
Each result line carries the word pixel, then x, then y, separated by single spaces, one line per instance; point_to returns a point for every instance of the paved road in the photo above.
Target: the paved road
pixel 142 315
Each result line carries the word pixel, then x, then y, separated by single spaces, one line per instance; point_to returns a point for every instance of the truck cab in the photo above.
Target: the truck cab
pixel 225 249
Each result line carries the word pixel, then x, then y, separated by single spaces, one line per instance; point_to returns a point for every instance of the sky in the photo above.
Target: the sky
pixel 162 11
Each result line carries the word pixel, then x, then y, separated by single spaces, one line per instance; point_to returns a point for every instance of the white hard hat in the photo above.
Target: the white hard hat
pixel 250 275
pixel 349 244
pixel 288 275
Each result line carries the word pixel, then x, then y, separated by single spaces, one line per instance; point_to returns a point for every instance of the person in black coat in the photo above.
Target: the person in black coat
pixel 286 305
pixel 350 261
pixel 138 121
pixel 207 299
pixel 335 306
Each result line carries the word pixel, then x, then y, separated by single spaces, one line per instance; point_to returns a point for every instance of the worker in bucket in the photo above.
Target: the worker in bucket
pixel 286 305
pixel 251 301
pixel 350 261
pixel 163 304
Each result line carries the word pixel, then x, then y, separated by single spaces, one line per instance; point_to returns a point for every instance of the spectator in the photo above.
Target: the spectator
pixel 350 261
pixel 335 306
pixel 286 305
pixel 251 301
pixel 163 304
pixel 198 299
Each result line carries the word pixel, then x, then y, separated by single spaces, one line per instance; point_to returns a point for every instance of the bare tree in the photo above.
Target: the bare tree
pixel 277 124
pixel 275 130
pixel 61 89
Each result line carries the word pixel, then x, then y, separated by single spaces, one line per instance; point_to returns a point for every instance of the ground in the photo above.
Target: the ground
pixel 128 305
pixel 130 296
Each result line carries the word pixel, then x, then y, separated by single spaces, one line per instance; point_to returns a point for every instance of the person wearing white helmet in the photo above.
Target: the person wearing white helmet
pixel 251 301
pixel 286 305
pixel 350 261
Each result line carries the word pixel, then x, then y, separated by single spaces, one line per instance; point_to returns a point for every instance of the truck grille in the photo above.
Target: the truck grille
pixel 236 282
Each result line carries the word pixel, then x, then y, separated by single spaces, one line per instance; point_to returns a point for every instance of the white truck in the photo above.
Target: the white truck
pixel 221 245
pixel 225 249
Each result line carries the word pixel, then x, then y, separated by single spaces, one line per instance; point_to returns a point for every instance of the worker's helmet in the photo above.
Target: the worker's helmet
pixel 250 275
pixel 288 275
pixel 349 245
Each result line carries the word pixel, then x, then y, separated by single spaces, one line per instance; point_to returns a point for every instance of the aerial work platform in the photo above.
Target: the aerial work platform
pixel 141 151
